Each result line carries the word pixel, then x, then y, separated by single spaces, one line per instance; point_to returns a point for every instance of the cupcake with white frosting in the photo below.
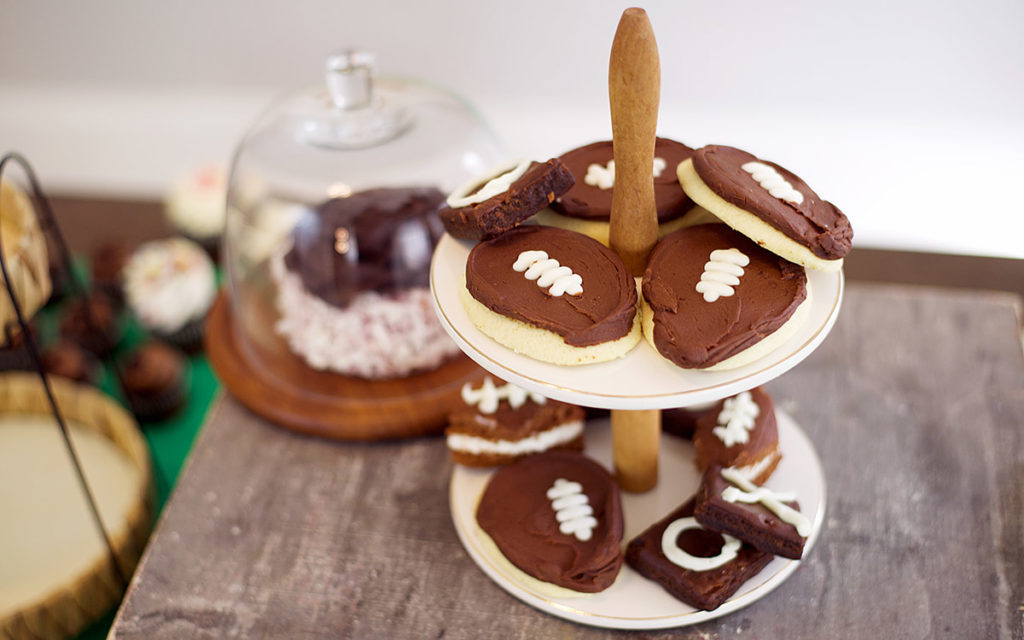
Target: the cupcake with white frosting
pixel 170 286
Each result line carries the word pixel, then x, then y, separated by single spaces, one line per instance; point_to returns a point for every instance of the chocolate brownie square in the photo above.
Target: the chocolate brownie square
pixel 729 502
pixel 716 566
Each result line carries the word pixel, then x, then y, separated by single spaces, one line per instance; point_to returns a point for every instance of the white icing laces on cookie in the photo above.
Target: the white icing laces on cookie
pixel 736 419
pixel 721 273
pixel 603 176
pixel 488 396
pixel 572 509
pixel 548 273
pixel 748 492
pixel 677 556
pixel 772 182
pixel 497 181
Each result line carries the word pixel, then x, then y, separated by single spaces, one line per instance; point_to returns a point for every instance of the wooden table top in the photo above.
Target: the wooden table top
pixel 915 403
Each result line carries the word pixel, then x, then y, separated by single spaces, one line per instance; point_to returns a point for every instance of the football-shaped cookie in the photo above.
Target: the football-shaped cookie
pixel 556 516
pixel 552 294
pixel 769 204
pixel 740 432
pixel 713 298
pixel 591 195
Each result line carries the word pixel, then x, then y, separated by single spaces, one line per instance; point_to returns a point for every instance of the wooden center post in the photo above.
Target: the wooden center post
pixel 634 90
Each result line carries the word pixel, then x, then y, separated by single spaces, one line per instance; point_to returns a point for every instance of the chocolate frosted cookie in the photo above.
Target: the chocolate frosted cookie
pixel 768 204
pixel 587 206
pixel 698 566
pixel 498 424
pixel 556 517
pixel 714 299
pixel 491 205
pixel 769 520
pixel 740 432
pixel 553 295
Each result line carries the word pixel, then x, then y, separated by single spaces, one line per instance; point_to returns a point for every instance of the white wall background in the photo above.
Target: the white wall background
pixel 908 115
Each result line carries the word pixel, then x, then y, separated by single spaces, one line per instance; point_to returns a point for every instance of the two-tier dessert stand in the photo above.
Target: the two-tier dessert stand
pixel 636 386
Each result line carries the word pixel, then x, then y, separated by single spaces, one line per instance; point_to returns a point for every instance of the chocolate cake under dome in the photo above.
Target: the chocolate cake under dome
pixel 332 220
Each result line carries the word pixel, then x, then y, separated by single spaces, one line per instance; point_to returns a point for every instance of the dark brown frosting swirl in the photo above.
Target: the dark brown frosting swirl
pixel 603 312
pixel 815 223
pixel 517 514
pixel 377 240
pixel 697 334
pixel 587 201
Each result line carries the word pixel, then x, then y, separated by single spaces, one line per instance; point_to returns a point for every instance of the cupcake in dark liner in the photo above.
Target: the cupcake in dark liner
pixel 94 324
pixel 69 360
pixel 170 286
pixel 153 377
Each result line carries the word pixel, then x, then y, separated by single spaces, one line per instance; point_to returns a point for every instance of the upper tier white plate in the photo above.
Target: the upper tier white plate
pixel 640 380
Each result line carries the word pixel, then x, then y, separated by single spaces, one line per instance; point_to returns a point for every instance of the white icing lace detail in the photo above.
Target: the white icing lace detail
pixel 495 182
pixel 677 556
pixel 772 182
pixel 603 176
pixel 572 509
pixel 750 493
pixel 488 396
pixel 721 273
pixel 548 273
pixel 736 419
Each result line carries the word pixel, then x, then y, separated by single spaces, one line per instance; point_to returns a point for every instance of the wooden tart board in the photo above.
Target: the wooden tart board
pixel 276 384
pixel 55 571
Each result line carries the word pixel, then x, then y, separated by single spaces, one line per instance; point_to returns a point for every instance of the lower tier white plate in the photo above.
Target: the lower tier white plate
pixel 633 602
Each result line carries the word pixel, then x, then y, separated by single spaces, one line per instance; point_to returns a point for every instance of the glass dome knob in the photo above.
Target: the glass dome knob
pixel 350 79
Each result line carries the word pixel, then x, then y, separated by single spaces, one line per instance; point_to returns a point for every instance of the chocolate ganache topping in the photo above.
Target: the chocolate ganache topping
pixel 516 511
pixel 695 333
pixel 586 200
pixel 377 240
pixel 604 310
pixel 814 223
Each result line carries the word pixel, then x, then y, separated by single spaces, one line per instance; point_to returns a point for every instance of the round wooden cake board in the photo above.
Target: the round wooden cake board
pixel 634 602
pixel 275 383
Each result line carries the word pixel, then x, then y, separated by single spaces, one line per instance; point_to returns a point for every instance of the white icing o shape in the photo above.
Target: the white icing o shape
pixel 721 273
pixel 548 273
pixel 488 396
pixel 677 556
pixel 495 182
pixel 603 176
pixel 736 419
pixel 773 182
pixel 749 493
pixel 572 509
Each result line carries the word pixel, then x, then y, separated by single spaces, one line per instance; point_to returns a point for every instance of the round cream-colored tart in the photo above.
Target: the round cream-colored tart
pixel 768 344
pixel 541 344
pixel 601 231
pixel 749 224
pixel 55 571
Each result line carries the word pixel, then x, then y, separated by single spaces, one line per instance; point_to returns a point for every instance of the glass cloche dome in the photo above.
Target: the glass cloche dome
pixel 332 220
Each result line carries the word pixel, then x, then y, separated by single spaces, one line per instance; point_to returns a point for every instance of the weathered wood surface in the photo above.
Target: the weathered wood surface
pixel 915 403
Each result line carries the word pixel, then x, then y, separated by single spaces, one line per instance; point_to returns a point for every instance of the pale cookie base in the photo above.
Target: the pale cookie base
pixel 601 231
pixel 496 557
pixel 769 343
pixel 748 224
pixel 541 344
